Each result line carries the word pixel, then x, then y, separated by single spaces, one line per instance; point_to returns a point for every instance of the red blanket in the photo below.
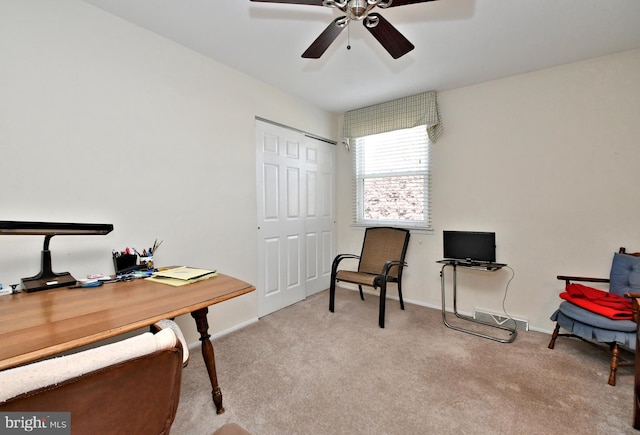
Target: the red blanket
pixel 599 301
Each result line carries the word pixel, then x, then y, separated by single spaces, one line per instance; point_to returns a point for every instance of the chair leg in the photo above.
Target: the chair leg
pixel 383 299
pixel 552 343
pixel 400 295
pixel 361 294
pixel 615 352
pixel 332 293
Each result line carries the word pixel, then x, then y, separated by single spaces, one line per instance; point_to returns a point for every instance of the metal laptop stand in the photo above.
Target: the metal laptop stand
pixel 483 266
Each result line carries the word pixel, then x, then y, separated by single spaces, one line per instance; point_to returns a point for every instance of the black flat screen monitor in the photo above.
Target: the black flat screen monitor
pixel 469 245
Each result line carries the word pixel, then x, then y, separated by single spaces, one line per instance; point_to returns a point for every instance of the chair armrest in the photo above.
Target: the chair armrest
pixel 170 324
pixel 389 264
pixel 336 263
pixel 568 279
pixel 341 257
pixel 635 306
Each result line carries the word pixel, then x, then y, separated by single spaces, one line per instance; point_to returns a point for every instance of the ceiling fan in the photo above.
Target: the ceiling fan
pixel 357 10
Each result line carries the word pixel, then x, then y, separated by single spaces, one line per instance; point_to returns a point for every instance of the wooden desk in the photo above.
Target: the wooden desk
pixel 38 325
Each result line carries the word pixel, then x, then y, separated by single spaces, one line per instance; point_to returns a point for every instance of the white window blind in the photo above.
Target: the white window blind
pixel 392 178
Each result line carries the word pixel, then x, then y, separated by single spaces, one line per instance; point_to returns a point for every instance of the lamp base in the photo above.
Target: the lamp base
pixel 44 283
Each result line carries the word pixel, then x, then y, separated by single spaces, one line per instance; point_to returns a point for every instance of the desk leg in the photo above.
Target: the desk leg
pixel 200 317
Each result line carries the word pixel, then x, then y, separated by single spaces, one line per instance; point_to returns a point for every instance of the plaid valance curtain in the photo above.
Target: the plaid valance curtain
pixel 408 112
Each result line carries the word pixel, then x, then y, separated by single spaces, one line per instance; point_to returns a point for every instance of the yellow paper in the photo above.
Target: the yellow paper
pixel 184 273
pixel 180 276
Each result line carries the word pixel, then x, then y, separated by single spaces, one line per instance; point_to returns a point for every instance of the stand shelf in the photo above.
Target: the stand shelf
pixel 477 265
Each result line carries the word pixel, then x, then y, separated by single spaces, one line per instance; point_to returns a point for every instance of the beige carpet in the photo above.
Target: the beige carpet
pixel 304 370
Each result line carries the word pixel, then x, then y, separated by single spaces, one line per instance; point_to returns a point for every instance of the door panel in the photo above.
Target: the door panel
pixel 312 256
pixel 293 193
pixel 320 214
pixel 270 202
pixel 272 265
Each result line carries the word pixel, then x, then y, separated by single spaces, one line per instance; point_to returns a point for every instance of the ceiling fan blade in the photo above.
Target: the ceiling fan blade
pixel 293 2
pixel 403 2
pixel 322 42
pixel 387 35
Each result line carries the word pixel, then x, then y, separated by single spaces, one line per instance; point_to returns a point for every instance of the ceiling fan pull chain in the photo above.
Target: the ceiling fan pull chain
pixel 348 38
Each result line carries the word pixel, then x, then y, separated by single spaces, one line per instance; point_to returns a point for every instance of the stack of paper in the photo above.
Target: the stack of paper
pixel 179 276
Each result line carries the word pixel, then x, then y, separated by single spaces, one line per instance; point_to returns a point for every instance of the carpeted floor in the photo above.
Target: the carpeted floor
pixel 304 370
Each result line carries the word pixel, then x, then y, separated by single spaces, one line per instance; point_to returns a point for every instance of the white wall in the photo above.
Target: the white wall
pixel 102 121
pixel 549 161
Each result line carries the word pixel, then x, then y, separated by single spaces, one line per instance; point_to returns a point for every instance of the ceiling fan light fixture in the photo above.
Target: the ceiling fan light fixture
pixel 357 9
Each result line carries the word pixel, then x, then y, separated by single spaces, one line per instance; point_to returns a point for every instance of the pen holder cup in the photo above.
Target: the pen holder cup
pixel 124 263
pixel 147 261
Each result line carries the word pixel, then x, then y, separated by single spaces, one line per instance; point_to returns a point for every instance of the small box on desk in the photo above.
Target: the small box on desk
pixel 125 263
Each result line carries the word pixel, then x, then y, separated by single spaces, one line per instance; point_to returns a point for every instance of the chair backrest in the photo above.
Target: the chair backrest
pixel 625 273
pixel 132 386
pixel 380 245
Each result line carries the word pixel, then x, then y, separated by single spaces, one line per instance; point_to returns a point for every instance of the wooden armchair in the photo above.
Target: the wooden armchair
pixel 602 317
pixel 131 386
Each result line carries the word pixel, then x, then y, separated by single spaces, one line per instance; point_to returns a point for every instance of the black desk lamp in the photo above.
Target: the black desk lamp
pixel 47 279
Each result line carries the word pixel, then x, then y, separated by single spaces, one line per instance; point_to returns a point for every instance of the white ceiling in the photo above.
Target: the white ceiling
pixel 458 42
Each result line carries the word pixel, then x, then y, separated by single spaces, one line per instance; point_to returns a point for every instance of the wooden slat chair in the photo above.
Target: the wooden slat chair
pixel 608 326
pixel 380 262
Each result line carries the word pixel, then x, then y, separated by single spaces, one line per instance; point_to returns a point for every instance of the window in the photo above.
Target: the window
pixel 392 178
pixel 391 143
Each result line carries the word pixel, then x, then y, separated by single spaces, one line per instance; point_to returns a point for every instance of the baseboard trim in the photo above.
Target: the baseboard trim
pixel 439 308
pixel 234 328
pixel 408 301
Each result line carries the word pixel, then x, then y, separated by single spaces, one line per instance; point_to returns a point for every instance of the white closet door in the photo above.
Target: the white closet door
pixel 296 237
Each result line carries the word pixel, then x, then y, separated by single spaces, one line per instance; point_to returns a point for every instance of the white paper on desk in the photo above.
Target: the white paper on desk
pixel 198 275
pixel 183 273
pixel 180 282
